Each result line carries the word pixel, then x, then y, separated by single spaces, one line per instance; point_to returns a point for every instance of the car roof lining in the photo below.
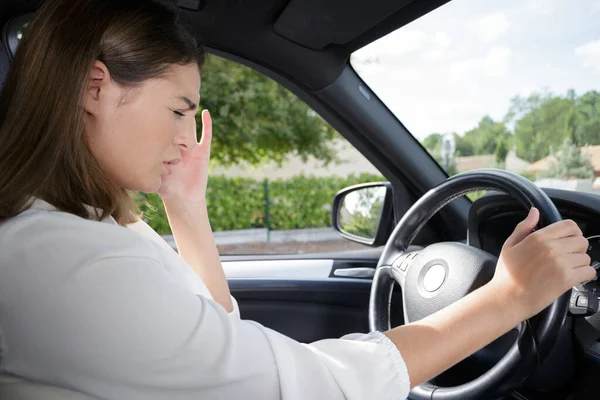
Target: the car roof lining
pixel 274 33
pixel 337 22
pixel 346 23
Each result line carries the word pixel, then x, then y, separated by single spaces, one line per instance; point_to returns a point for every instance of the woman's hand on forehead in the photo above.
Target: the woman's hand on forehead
pixel 185 187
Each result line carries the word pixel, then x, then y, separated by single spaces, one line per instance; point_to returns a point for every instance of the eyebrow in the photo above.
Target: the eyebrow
pixel 190 103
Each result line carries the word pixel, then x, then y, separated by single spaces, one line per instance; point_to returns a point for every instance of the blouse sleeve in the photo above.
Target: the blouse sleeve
pixel 142 228
pixel 123 328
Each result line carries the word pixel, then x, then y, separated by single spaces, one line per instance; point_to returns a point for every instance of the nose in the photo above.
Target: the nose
pixel 186 136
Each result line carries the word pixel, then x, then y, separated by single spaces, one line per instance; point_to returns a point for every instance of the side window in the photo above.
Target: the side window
pixel 275 167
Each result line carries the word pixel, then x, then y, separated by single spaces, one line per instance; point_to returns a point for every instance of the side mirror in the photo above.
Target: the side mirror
pixel 363 213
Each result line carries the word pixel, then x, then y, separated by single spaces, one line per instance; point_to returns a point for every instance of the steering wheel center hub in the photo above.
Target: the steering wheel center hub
pixel 434 278
pixel 442 274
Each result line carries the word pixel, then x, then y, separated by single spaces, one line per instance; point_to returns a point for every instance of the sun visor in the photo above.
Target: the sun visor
pixel 318 23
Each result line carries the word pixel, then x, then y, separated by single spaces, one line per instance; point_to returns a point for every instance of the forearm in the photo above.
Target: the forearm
pixel 439 341
pixel 196 245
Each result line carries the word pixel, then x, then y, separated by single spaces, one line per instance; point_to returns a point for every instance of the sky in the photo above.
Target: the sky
pixel 445 71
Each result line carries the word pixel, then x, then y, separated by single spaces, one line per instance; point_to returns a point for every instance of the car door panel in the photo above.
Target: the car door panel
pixel 302 298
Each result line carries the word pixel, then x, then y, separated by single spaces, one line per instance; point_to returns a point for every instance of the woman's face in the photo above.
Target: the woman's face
pixel 134 133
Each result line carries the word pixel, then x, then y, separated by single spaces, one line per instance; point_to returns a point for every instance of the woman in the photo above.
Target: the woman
pixel 92 300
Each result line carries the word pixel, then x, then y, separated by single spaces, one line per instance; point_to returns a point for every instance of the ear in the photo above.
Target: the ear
pixel 98 82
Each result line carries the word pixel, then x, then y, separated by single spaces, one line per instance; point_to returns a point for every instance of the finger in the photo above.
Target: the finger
pixel 560 229
pixel 577 260
pixel 524 228
pixel 583 274
pixel 571 244
pixel 206 128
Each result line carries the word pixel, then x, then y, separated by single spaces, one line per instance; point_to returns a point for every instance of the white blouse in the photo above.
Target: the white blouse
pixel 113 312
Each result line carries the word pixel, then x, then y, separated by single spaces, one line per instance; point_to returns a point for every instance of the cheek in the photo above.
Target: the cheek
pixel 131 144
pixel 145 133
pixel 150 135
pixel 161 134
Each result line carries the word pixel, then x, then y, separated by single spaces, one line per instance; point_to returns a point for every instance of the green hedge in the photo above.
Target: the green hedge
pixel 240 203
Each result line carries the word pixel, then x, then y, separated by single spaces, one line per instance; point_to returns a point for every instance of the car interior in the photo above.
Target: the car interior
pixel 306 46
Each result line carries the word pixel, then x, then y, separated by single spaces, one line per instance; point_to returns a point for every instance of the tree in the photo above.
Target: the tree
pixel 570 130
pixel 432 143
pixel 482 139
pixel 501 152
pixel 571 163
pixel 540 121
pixel 588 118
pixel 256 119
pixel 464 146
pixel 361 211
pixel 451 168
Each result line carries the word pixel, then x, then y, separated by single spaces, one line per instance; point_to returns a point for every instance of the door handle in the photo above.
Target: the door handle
pixel 361 272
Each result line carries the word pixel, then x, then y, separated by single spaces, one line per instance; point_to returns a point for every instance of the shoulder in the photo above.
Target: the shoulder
pixel 59 238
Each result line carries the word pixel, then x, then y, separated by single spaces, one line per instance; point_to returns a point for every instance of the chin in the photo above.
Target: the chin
pixel 152 188
pixel 149 186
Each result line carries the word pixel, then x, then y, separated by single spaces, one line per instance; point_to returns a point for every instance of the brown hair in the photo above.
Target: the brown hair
pixel 43 147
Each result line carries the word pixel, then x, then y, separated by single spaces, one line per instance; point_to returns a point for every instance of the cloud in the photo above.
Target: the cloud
pixel 435 55
pixel 494 64
pixel 490 27
pixel 396 47
pixel 384 76
pixel 441 39
pixel 590 54
pixel 526 91
pixel 398 43
pixel 446 81
pixel 451 113
pixel 542 7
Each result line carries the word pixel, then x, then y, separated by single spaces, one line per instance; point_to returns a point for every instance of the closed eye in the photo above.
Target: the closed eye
pixel 179 113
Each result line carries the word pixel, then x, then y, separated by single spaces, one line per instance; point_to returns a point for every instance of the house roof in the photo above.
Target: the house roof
pixel 545 163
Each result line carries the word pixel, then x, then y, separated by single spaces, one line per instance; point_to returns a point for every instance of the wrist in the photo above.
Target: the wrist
pixel 186 214
pixel 507 301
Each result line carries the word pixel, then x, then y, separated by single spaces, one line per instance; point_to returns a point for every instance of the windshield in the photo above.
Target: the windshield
pixel 509 84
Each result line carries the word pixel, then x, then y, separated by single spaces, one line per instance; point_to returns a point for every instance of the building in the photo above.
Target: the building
pixel 512 163
pixel 545 163
pixel 351 161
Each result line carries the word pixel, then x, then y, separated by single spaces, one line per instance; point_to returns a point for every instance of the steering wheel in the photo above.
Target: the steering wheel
pixel 442 273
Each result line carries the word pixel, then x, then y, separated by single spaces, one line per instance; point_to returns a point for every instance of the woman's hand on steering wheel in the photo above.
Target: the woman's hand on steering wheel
pixel 457 298
pixel 560 248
